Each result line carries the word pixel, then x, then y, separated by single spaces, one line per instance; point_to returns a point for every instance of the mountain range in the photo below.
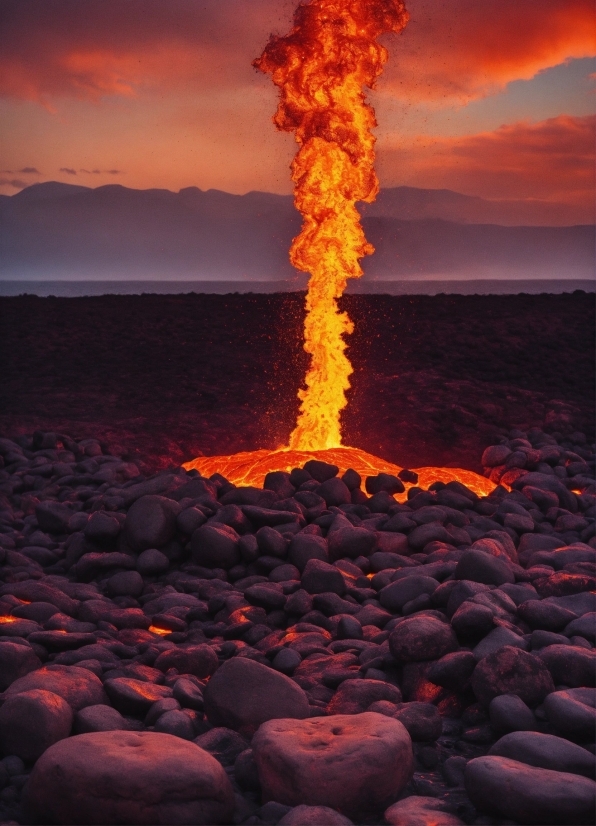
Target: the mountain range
pixel 62 231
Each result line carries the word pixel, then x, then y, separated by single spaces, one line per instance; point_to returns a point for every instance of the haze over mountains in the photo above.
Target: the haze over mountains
pixel 59 231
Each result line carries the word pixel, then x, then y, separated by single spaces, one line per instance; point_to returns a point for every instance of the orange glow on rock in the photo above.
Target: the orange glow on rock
pixel 155 629
pixel 251 467
pixel 321 69
pixel 5 620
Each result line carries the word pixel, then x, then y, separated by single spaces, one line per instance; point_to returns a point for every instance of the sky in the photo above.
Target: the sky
pixel 487 98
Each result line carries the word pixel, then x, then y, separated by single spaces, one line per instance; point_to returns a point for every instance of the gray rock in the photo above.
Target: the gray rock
pixel 422 720
pixel 334 492
pixel 215 546
pixel 572 713
pixel 394 596
pixel 319 577
pixel 99 718
pixel 350 542
pixel 53 517
pixel 512 671
pixel 234 696
pixel 176 723
pixel 304 547
pixel 420 638
pixel 128 777
pixel 507 713
pixel 529 795
pixel 223 743
pixel 496 639
pixel 152 563
pixel 150 522
pixel 545 752
pixel 479 566
pixel 570 665
pixel 101 528
pixel 132 696
pixel 125 584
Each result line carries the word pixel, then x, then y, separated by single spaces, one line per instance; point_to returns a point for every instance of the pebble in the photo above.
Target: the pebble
pixel 171 605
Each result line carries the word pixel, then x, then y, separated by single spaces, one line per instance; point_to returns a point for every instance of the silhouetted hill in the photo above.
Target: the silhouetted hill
pixel 55 231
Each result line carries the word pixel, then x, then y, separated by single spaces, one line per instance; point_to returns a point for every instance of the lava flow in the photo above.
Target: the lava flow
pixel 321 68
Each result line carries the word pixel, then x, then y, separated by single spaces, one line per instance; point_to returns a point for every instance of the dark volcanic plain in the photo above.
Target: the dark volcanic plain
pixel 171 377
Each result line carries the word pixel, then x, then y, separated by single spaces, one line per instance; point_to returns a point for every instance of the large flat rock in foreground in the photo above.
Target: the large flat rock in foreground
pixel 128 777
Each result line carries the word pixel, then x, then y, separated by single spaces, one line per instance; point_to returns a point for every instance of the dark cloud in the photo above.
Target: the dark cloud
pixel 114 171
pixel 68 170
pixel 14 182
pixel 99 171
pixel 29 170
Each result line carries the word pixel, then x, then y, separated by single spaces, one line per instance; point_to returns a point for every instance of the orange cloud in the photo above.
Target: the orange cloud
pixel 456 50
pixel 466 49
pixel 551 160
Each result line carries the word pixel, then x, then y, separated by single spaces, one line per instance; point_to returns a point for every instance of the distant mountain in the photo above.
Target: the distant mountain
pixel 56 231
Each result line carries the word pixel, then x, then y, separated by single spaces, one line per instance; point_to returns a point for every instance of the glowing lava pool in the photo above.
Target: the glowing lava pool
pixel 251 467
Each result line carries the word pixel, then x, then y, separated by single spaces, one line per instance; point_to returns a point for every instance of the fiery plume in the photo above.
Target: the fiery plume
pixel 321 68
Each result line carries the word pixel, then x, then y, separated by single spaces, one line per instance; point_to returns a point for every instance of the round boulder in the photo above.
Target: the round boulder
pixel 33 721
pixel 242 694
pixel 16 660
pixel 78 686
pixel 422 638
pixel 313 816
pixel 356 764
pixel 150 522
pixel 215 546
pixel 527 794
pixel 200 660
pixel 128 777
pixel 512 671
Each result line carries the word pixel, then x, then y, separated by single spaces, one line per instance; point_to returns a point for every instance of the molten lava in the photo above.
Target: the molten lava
pixel 251 467
pixel 321 68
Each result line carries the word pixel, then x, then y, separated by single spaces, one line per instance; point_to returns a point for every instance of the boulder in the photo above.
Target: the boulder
pixel 150 522
pixel 32 721
pixel 570 665
pixel 200 660
pixel 420 638
pixel 16 660
pixel 128 777
pixel 355 696
pixel 99 718
pixel 320 577
pixel 572 713
pixel 545 751
pixel 235 696
pixel 78 686
pixel 512 671
pixel 527 794
pixel 421 811
pixel 215 546
pixel 313 816
pixel 478 566
pixel 356 764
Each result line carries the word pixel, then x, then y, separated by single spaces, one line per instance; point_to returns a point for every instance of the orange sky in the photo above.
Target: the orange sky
pixel 490 99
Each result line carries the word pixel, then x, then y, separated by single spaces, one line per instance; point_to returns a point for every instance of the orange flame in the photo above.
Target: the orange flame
pixel 321 68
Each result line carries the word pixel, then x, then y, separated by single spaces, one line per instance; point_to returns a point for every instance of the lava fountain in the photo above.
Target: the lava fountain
pixel 322 68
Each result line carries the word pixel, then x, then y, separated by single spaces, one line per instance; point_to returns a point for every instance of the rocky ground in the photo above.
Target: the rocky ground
pixel 175 649
pixel 168 378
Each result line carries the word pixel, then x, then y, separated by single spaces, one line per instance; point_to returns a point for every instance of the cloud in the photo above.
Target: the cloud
pixel 459 49
pixel 68 170
pixel 551 160
pixel 466 49
pixel 14 182
pixel 29 170
pixel 99 171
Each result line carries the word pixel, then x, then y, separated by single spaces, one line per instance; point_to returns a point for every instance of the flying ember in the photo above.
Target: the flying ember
pixel 322 68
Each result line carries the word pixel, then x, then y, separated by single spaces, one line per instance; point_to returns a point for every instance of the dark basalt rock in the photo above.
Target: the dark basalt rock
pixel 184 638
